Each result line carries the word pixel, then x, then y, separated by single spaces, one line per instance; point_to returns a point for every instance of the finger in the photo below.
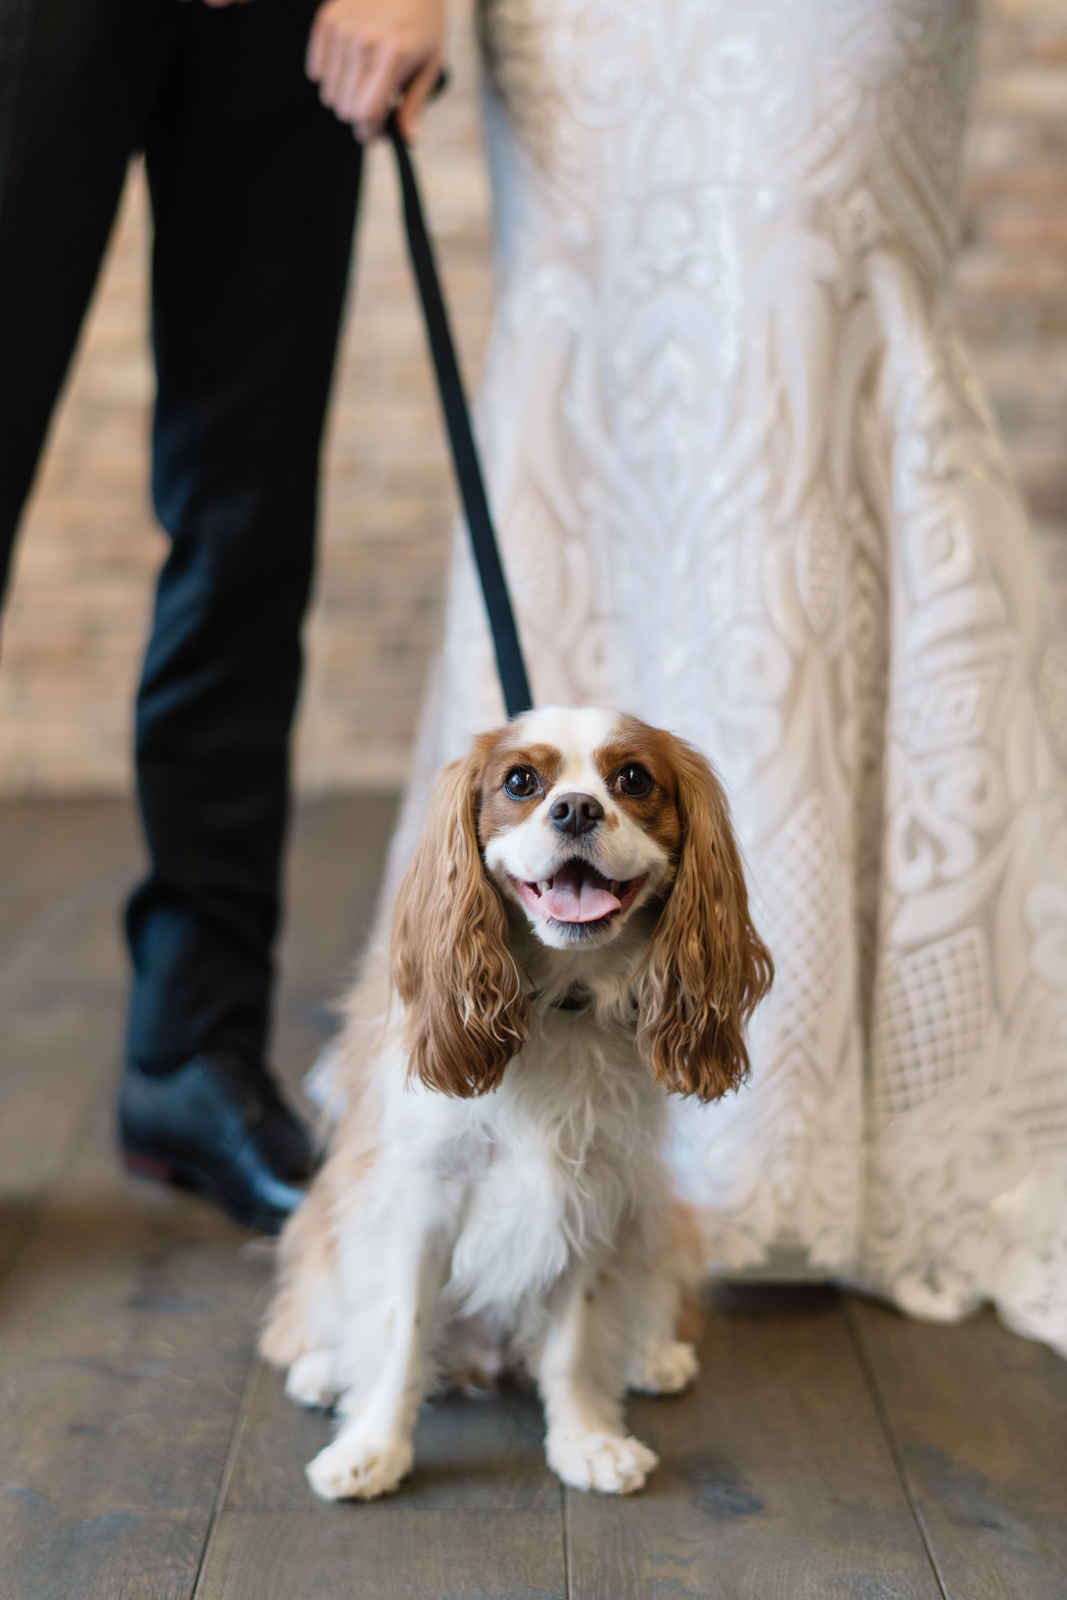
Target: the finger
pixel 343 63
pixel 349 88
pixel 318 45
pixel 418 92
pixel 378 91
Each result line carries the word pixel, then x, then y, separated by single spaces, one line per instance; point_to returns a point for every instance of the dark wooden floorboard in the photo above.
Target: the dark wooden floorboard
pixel 64 868
pixel 776 1481
pixel 480 1516
pixel 49 846
pixel 126 1330
pixel 380 1552
pixel 979 1418
pixel 128 1319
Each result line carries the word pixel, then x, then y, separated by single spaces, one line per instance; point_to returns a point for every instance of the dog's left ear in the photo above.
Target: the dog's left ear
pixel 467 1011
pixel 707 968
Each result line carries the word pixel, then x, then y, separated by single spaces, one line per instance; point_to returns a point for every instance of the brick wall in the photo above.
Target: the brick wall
pixel 1011 283
pixel 78 614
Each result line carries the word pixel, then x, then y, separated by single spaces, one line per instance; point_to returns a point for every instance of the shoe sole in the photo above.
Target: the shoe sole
pixel 180 1174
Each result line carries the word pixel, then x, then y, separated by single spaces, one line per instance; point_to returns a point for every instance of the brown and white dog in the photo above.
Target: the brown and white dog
pixel 571 943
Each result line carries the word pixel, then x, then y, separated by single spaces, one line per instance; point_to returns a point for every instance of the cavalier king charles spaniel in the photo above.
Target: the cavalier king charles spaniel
pixel 571 944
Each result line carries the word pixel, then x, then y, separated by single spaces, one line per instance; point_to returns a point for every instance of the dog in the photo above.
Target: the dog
pixel 571 943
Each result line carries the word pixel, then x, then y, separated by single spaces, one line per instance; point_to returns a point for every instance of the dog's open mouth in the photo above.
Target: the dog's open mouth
pixel 577 892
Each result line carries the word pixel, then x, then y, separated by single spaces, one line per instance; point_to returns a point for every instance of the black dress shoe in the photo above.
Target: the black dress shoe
pixel 220 1127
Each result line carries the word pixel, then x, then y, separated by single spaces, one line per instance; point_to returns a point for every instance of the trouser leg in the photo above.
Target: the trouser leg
pixel 76 77
pixel 254 187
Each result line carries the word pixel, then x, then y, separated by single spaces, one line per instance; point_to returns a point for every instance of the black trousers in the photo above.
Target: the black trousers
pixel 254 188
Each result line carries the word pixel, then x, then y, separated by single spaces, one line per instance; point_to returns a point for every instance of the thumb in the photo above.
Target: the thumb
pixel 415 97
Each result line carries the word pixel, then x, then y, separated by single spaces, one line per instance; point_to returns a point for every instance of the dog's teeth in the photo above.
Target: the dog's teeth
pixel 544 885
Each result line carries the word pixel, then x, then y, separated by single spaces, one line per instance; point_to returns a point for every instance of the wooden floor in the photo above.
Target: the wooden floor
pixel 830 1449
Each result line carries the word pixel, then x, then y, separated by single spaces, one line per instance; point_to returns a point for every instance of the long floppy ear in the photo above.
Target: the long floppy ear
pixel 467 1011
pixel 707 967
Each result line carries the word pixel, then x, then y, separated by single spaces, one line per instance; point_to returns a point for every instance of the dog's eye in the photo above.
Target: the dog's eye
pixel 521 783
pixel 634 781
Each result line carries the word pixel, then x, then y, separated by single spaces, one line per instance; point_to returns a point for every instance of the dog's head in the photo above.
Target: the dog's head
pixel 589 822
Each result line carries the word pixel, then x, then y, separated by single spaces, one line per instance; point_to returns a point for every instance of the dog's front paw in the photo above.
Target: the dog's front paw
pixel 355 1467
pixel 310 1380
pixel 663 1367
pixel 600 1461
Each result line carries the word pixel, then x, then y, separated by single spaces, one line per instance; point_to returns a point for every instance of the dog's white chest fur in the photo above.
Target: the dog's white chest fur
pixel 559 1159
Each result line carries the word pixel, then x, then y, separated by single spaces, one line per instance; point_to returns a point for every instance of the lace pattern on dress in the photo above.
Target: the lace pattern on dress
pixel 747 488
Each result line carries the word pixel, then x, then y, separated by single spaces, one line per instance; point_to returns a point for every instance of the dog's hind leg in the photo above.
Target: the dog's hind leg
pixel 582 1377
pixel 659 1362
pixel 373 1449
pixel 312 1379
pixel 662 1366
pixel 303 1315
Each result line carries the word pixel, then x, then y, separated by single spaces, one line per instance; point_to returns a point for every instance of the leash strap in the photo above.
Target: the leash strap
pixel 509 661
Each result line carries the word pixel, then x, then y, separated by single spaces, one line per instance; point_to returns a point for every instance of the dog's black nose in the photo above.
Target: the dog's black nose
pixel 576 813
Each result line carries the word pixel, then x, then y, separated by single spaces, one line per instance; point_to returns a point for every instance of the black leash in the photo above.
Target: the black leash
pixel 509 661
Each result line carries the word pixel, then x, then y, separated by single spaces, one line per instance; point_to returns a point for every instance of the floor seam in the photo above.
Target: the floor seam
pixel 564 1506
pixel 240 1423
pixel 32 939
pixel 881 1412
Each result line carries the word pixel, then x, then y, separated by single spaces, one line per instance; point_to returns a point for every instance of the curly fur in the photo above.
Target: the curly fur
pixel 466 1012
pixel 706 968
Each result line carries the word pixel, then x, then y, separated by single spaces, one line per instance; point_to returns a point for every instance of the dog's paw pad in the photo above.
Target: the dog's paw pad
pixel 358 1469
pixel 601 1461
pixel 665 1367
pixel 310 1380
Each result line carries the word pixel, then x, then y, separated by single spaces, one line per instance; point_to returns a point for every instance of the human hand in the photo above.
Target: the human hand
pixel 369 55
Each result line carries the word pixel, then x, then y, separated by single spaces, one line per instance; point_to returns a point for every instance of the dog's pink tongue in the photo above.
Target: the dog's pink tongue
pixel 578 894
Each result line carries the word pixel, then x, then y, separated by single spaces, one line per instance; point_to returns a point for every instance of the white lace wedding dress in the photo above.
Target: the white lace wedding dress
pixel 747 487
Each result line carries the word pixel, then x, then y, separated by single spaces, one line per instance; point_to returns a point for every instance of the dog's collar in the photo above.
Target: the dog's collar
pixel 576 999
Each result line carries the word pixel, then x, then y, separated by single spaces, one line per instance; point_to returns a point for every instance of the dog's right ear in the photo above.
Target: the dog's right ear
pixel 707 968
pixel 467 1011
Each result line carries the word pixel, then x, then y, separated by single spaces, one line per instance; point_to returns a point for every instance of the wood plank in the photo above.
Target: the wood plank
pixel 776 1480
pixel 62 989
pixel 481 1515
pixel 383 1552
pixel 127 1325
pixel 126 1331
pixel 47 845
pixel 979 1417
